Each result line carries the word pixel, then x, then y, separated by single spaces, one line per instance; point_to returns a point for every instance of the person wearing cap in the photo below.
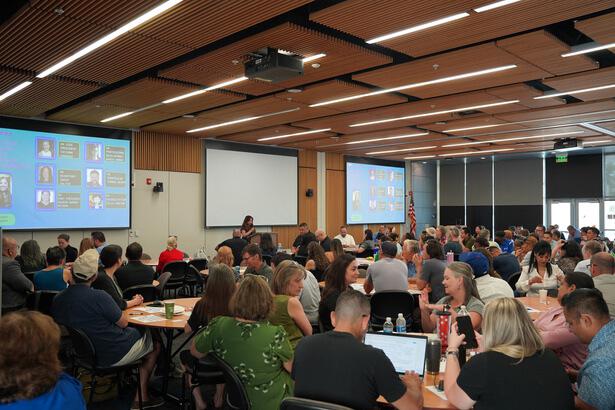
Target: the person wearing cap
pixel 388 273
pixel 94 312
pixel 488 287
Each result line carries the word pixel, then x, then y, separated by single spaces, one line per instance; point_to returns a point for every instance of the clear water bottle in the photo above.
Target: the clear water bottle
pixel 463 311
pixel 450 257
pixel 280 249
pixel 400 323
pixel 388 326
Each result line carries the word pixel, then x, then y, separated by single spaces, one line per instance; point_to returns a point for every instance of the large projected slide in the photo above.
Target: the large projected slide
pixel 61 181
pixel 244 179
pixel 375 193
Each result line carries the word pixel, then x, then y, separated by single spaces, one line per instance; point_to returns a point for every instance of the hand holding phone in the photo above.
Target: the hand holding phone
pixel 464 326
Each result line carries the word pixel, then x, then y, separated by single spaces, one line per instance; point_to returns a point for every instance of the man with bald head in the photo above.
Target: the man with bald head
pixel 236 243
pixel 323 240
pixel 602 268
pixel 15 285
pixel 337 367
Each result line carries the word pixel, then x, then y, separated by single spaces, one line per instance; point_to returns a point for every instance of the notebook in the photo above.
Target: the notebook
pixel 406 352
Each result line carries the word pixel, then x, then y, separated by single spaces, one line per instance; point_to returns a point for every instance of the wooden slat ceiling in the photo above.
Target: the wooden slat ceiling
pixel 200 43
pixel 368 19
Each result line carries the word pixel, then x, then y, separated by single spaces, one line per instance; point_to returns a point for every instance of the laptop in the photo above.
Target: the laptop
pixel 406 352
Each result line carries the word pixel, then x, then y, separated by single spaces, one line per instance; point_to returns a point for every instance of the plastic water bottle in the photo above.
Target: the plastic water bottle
pixel 450 257
pixel 280 249
pixel 463 311
pixel 400 323
pixel 376 254
pixel 388 326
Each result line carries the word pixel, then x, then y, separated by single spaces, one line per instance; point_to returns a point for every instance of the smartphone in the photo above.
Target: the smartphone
pixel 464 326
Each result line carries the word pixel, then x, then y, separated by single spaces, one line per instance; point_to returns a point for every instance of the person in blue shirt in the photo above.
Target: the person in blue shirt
pixel 30 372
pixel 587 314
pixel 54 276
pixel 506 245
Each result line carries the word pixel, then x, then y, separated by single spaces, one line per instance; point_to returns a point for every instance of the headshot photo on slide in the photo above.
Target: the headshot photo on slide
pixel 93 151
pixel 45 148
pixel 95 200
pixel 44 174
pixel 45 199
pixel 94 177
pixel 6 190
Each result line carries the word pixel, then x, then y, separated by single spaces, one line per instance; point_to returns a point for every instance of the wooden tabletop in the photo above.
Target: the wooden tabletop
pixel 430 400
pixel 533 302
pixel 178 322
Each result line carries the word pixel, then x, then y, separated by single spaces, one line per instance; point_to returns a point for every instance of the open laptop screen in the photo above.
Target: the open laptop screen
pixel 406 352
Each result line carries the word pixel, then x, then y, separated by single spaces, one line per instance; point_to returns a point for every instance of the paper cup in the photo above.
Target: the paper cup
pixel 169 308
pixel 542 294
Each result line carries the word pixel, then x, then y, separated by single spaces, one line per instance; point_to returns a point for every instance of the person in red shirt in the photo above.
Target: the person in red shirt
pixel 170 254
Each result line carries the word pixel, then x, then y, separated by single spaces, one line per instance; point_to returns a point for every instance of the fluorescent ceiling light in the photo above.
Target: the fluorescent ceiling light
pixel 590 49
pixel 421 157
pixel 598 142
pixel 568 149
pixel 15 90
pixel 314 57
pixel 583 90
pixel 400 150
pixel 111 36
pixel 526 121
pixel 495 5
pixel 115 117
pixel 454 154
pixel 559 134
pixel 599 129
pixel 420 134
pixel 420 27
pixel 224 124
pixel 427 114
pixel 294 134
pixel 417 85
pixel 204 90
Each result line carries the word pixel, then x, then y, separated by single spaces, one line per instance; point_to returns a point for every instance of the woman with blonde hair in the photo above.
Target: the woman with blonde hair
pixel 225 256
pixel 512 358
pixel 170 254
pixel 460 289
pixel 84 245
pixel 31 374
pixel 286 285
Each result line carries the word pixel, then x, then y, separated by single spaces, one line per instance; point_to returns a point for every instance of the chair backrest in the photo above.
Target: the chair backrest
pixel 389 304
pixel 178 270
pixel 235 391
pixel 147 291
pixel 267 259
pixel 41 300
pixel 30 275
pixel 297 403
pixel 199 263
pixel 162 283
pixel 83 349
pixel 300 259
pixel 512 280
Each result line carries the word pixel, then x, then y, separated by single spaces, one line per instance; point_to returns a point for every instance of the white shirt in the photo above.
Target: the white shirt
pixel 490 288
pixel 583 266
pixel 548 282
pixel 605 283
pixel 347 241
pixel 45 154
pixel 310 297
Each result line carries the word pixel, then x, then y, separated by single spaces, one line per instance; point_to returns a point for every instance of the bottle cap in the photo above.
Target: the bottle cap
pixel 400 315
pixel 462 307
pixel 388 318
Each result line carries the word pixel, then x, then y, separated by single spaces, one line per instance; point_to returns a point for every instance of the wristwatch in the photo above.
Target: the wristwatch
pixel 452 353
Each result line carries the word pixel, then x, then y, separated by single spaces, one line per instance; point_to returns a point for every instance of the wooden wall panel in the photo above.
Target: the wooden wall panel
pixel 335 200
pixel 357 232
pixel 335 162
pixel 166 152
pixel 307 158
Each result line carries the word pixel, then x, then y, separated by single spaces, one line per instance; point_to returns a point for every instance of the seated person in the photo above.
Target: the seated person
pixel 346 239
pixel 388 273
pixel 253 259
pixel 366 247
pixel 337 367
pixel 15 285
pixel 94 312
pixel 567 254
pixel 135 272
pixel 170 254
pixel 343 272
pixel 54 276
pixel 430 270
pixel 247 230
pixel 506 245
pixel 603 272
pixel 71 252
pixel 225 256
pixel 589 248
pixel 453 244
pixel 302 240
pixel 539 273
pixel 323 240
pixel 587 315
pixel 287 284
pixel 111 259
pixel 504 264
pixel 336 250
pixel 30 371
pixel 409 249
pixel 30 257
pixel 513 369
pixel 248 341
pixel 553 329
pixel 460 290
pixel 317 261
pixel 488 287
pixel 236 243
pixel 267 246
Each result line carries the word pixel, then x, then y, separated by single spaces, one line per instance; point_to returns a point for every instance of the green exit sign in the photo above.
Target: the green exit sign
pixel 561 158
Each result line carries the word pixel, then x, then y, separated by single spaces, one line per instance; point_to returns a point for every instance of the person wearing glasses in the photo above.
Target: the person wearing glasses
pixel 252 257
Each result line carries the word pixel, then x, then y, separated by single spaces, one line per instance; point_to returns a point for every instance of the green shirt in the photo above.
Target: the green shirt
pixel 256 351
pixel 279 316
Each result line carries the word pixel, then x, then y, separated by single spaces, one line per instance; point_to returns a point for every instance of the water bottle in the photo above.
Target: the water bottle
pixel 280 249
pixel 376 254
pixel 400 323
pixel 462 311
pixel 388 326
pixel 450 257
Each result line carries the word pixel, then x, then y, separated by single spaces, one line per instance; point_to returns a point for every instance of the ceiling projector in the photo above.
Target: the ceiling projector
pixel 273 66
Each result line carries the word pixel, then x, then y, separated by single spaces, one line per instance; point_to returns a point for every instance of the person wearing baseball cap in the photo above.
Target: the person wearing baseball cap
pixel 488 286
pixel 94 312
pixel 388 273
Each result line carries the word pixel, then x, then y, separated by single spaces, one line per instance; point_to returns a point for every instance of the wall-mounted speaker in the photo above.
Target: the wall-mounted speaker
pixel 158 187
pixel 309 193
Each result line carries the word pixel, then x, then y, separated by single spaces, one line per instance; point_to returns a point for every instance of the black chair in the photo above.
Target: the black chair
pixel 84 357
pixel 30 275
pixel 300 259
pixel 41 301
pixel 162 284
pixel 199 263
pixel 147 291
pixel 267 259
pixel 512 280
pixel 297 403
pixel 177 280
pixel 389 304
pixel 204 372
pixel 235 393
pixel 194 281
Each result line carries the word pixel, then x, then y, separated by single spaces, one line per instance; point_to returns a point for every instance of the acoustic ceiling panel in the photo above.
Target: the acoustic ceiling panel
pixel 589 79
pixel 599 28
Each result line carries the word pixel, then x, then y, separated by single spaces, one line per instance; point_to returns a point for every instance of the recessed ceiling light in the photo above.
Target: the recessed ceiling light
pixel 314 57
pixel 420 134
pixel 494 141
pixel 294 134
pixel 580 91
pixel 204 90
pixel 454 154
pixel 15 90
pixel 417 85
pixel 419 27
pixel 115 117
pixel 427 114
pixel 110 37
pixel 588 48
pixel 399 150
pixel 495 5
pixel 239 121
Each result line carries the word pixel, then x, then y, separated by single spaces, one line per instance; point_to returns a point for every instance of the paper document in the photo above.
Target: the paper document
pixel 148 318
pixel 437 392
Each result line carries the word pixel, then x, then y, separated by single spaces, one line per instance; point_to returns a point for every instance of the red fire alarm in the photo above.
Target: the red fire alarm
pixel 148 181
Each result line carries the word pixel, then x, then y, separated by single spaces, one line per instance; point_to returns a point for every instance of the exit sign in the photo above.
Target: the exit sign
pixel 561 158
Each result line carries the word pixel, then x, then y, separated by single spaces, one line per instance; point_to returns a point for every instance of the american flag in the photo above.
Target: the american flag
pixel 412 214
